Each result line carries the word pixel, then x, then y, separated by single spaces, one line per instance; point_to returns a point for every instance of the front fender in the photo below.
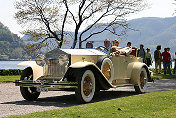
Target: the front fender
pixel 37 70
pixel 105 84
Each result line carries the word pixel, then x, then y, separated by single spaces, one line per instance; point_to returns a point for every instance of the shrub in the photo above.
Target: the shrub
pixel 4 72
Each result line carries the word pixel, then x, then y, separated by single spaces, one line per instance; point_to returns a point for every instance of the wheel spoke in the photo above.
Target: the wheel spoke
pixel 107 70
pixel 87 86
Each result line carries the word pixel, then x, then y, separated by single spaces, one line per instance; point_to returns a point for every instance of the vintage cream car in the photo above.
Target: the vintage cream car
pixel 84 71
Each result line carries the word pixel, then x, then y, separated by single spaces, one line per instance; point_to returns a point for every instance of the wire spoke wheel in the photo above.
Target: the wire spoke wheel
pixel 86 86
pixel 142 82
pixel 107 69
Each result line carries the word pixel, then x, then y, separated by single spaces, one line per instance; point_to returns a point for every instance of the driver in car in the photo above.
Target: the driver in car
pixel 107 46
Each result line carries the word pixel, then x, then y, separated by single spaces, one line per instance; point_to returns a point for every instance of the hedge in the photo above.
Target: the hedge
pixel 4 72
pixel 162 70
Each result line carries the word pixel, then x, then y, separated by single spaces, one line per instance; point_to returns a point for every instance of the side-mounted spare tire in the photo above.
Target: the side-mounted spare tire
pixel 106 67
pixel 28 93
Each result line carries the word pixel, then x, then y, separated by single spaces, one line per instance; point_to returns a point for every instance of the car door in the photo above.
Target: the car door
pixel 120 64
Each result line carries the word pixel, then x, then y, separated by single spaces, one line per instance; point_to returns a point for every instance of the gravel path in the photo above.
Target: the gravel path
pixel 12 103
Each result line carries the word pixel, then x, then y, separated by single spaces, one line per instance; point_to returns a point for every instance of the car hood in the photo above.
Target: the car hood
pixel 57 52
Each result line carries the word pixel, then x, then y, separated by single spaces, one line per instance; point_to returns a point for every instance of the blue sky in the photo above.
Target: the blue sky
pixel 158 8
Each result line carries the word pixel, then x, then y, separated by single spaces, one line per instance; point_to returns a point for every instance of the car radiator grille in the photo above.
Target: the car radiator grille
pixel 54 68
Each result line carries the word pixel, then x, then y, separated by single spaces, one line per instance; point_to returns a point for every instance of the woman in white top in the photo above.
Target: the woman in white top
pixel 174 58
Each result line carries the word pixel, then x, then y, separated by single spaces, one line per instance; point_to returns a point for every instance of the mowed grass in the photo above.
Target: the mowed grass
pixel 162 76
pixel 152 105
pixel 9 78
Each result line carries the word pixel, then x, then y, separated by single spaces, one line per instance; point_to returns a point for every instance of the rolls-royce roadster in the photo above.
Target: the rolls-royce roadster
pixel 85 71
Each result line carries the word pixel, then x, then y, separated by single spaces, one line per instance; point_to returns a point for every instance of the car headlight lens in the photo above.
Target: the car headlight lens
pixel 40 60
pixel 63 60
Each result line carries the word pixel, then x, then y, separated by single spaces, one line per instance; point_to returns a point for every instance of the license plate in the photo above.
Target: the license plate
pixel 42 89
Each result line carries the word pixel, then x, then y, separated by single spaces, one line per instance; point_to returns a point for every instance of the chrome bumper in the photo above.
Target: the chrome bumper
pixel 54 86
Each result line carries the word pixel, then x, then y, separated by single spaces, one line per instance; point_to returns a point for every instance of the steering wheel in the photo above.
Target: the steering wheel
pixel 101 48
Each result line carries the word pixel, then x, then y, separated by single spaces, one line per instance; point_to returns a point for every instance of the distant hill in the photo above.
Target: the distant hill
pixel 149 31
pixel 11 44
pixel 154 31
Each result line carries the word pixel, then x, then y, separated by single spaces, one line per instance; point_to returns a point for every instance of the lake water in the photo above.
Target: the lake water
pixel 13 65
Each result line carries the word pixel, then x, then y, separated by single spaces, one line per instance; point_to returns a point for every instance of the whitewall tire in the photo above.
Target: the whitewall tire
pixel 107 69
pixel 86 86
pixel 142 81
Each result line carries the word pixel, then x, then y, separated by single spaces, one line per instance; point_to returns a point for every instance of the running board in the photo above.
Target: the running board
pixel 122 85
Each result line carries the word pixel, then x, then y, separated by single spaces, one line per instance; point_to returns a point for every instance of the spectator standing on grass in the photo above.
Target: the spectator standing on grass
pixel 148 57
pixel 166 57
pixel 141 52
pixel 174 58
pixel 157 57
pixel 168 49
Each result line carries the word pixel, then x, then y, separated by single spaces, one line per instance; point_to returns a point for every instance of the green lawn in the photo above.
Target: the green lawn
pixel 152 105
pixel 9 78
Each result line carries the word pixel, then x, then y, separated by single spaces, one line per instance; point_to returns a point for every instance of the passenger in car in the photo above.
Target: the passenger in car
pixel 129 44
pixel 115 44
pixel 89 45
pixel 120 50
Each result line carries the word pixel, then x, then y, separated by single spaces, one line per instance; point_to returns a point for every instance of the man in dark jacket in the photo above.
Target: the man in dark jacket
pixel 157 57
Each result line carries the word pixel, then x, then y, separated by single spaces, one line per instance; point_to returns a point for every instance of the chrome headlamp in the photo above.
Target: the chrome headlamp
pixel 40 60
pixel 63 60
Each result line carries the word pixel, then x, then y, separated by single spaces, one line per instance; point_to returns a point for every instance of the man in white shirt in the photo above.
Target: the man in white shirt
pixel 107 46
pixel 174 58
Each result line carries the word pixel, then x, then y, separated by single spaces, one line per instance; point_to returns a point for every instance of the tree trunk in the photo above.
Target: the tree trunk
pixel 80 43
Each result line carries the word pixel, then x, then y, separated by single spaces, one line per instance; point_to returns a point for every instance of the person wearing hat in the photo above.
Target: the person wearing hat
pixel 148 57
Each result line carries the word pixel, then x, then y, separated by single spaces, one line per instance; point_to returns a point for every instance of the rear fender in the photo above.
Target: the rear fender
pixel 134 70
pixel 37 70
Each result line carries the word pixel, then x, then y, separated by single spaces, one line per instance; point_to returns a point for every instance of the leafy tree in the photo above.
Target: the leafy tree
pixel 5 34
pixel 11 44
pixel 111 12
pixel 17 53
pixel 40 21
pixel 46 19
